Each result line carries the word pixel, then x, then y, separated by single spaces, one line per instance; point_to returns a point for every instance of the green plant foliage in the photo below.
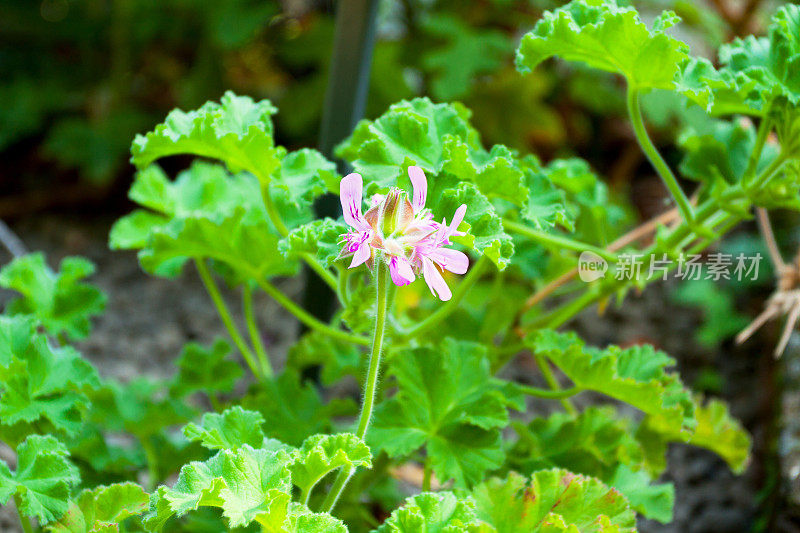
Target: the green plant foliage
pixel 42 481
pixel 550 501
pixel 635 375
pixel 433 512
pixel 61 301
pixel 39 382
pixel 231 429
pixel 208 370
pixel 102 509
pixel 448 403
pixel 321 238
pixel 336 358
pixel 322 454
pixel 721 319
pixel 608 37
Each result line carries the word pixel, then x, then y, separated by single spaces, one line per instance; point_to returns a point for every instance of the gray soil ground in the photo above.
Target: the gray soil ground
pixel 149 319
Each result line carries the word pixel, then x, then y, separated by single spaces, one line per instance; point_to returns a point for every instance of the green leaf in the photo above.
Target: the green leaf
pixel 720 317
pixel 320 238
pixel 635 375
pixel 42 382
pixel 291 422
pixel 304 175
pixel 244 483
pixel 205 213
pixel 208 370
pixel 236 131
pixel 652 501
pixel 432 512
pixel 60 300
pixel 716 430
pixel 448 403
pixel 467 53
pixel 231 429
pixel 608 37
pixel 297 518
pixel 42 480
pixel 755 71
pixel 593 443
pixel 550 501
pixel 102 509
pixel 321 454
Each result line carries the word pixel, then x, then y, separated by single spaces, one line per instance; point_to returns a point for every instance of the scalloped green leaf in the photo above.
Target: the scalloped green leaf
pixel 43 478
pixel 237 131
pixel 244 483
pixel 202 369
pixel 636 375
pixel 231 429
pixel 42 382
pixel 61 301
pixel 448 403
pixel 551 501
pixel 322 454
pixel 336 357
pixel 654 501
pixel 432 512
pixel 320 238
pixel 102 509
pixel 608 37
pixel 716 430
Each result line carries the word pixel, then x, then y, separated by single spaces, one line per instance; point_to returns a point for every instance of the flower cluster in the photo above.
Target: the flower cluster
pixel 402 233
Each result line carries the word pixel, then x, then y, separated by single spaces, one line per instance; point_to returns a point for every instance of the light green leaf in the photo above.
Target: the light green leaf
pixel 716 430
pixel 337 358
pixel 432 512
pixel 244 483
pixel 652 501
pixel 236 131
pixel 304 175
pixel 608 37
pixel 43 478
pixel 447 403
pixel 102 509
pixel 320 238
pixel 60 300
pixel 636 375
pixel 550 501
pixel 321 454
pixel 231 429
pixel 42 382
pixel 208 370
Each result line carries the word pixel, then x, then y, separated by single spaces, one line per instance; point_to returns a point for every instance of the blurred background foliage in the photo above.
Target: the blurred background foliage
pixel 81 77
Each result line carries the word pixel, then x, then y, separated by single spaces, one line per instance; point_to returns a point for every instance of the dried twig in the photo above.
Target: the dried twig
pixel 10 240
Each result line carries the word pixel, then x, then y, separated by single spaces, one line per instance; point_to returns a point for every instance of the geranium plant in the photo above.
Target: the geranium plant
pixel 444 263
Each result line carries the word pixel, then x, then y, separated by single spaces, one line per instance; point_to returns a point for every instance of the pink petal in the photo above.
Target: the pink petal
pixel 458 217
pixel 435 280
pixel 350 195
pixel 420 184
pixel 401 271
pixel 362 254
pixel 452 260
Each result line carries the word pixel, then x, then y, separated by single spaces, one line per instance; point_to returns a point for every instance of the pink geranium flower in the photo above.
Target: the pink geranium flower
pixel 402 233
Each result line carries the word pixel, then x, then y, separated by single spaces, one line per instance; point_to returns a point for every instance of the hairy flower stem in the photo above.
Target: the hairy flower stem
pixel 371 385
pixel 24 522
pixel 669 179
pixel 255 334
pixel 225 315
pixel 547 372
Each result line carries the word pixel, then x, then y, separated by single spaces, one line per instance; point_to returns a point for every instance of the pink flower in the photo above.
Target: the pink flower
pixel 402 233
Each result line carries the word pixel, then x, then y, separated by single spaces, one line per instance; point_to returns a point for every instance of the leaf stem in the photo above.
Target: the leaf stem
pixel 371 385
pixel 558 241
pixel 225 315
pixel 451 305
pixel 306 318
pixel 635 114
pixel 255 334
pixel 547 372
pixel 550 394
pixel 24 521
pixel 427 475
